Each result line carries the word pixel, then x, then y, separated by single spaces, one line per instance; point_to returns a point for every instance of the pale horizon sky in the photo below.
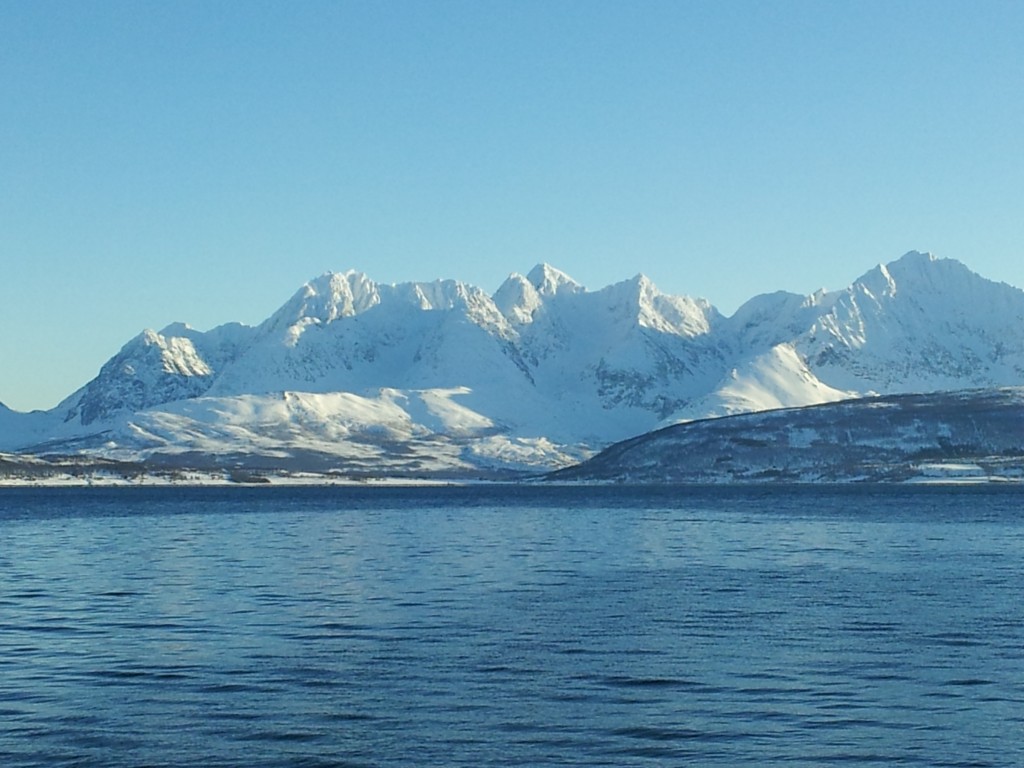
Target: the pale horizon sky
pixel 199 161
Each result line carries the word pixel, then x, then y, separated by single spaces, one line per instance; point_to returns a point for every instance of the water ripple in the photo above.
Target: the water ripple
pixel 486 627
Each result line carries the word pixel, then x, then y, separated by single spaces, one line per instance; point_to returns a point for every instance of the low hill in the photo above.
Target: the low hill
pixel 969 436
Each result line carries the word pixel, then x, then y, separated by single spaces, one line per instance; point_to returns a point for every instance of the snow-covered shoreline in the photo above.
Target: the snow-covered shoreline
pixel 223 481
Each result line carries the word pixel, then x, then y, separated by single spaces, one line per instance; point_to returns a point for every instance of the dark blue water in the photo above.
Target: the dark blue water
pixel 503 626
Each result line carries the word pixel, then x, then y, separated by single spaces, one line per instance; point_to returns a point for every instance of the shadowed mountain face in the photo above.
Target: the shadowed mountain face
pixel 535 377
pixel 951 435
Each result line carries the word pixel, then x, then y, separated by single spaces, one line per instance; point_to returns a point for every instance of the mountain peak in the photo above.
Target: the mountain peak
pixel 643 282
pixel 637 291
pixel 927 266
pixel 517 299
pixel 916 271
pixel 326 298
pixel 917 257
pixel 176 329
pixel 549 281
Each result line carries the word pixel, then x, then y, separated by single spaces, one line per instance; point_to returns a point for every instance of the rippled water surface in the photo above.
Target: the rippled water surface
pixel 511 626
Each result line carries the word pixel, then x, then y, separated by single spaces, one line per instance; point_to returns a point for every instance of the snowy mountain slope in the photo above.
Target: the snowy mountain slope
pixel 626 353
pixel 407 336
pixel 20 429
pixel 154 368
pixel 972 435
pixel 554 360
pixel 398 433
pixel 918 324
pixel 541 372
pixel 778 378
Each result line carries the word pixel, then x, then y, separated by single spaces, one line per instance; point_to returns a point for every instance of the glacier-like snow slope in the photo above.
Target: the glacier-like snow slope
pixel 440 376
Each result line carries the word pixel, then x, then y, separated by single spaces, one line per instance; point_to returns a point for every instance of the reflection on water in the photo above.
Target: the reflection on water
pixel 498 626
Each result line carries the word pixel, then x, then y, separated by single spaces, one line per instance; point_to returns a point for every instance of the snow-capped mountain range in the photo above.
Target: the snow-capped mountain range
pixel 443 379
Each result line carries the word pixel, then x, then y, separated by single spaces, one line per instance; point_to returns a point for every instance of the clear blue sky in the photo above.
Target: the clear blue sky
pixel 199 161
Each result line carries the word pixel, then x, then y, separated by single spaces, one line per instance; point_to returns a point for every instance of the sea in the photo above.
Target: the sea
pixel 512 625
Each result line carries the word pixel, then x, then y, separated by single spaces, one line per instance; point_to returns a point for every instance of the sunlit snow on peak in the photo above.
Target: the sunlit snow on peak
pixel 550 281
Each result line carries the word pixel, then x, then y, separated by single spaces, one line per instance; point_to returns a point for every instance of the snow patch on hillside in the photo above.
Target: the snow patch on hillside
pixel 778 378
